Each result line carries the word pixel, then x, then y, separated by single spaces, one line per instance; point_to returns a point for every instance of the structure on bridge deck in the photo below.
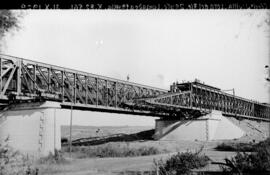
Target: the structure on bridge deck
pixel 27 86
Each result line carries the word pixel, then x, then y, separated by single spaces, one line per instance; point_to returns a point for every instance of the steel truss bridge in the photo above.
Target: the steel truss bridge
pixel 27 80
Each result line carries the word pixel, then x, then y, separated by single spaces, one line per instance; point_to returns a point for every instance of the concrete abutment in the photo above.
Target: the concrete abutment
pixel 32 128
pixel 212 126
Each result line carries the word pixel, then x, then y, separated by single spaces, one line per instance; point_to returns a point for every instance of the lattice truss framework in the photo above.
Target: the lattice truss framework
pixel 204 99
pixel 22 78
pixel 26 78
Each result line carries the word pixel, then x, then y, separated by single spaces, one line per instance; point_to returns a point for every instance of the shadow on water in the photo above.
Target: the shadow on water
pixel 140 136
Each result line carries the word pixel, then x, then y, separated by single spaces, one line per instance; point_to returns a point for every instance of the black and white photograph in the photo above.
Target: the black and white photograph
pixel 134 92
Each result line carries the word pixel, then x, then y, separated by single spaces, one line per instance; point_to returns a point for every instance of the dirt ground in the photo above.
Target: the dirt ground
pixel 255 132
pixel 89 166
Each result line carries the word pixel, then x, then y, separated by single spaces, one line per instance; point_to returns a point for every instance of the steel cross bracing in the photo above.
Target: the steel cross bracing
pixel 27 79
pixel 204 99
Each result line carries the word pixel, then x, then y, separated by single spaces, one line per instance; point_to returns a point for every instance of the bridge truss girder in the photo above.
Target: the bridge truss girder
pixel 206 100
pixel 27 79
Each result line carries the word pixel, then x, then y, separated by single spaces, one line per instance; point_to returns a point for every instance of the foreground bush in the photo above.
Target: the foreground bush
pixel 13 162
pixel 112 150
pixel 265 143
pixel 244 147
pixel 181 163
pixel 256 162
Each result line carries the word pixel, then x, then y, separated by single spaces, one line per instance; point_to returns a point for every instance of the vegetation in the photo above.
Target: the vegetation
pixel 13 162
pixel 9 21
pixel 245 147
pixel 181 163
pixel 258 161
pixel 242 147
pixel 56 158
pixel 113 150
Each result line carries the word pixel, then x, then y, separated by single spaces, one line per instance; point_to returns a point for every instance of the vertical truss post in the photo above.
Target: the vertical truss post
pixel 124 93
pixel 234 101
pixel 96 91
pixel 214 100
pixel 19 71
pixel 252 110
pixel 86 89
pixel 197 97
pixel 223 102
pixel 35 78
pixel 1 74
pixel 74 88
pixel 191 94
pixel 63 86
pixel 49 80
pixel 107 94
pixel 200 97
pixel 208 103
pixel 227 104
pixel 115 96
pixel 218 101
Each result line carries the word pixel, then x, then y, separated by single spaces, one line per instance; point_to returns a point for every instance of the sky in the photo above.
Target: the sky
pixel 223 48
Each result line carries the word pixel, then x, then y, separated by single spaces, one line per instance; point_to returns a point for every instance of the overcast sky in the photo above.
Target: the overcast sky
pixel 223 48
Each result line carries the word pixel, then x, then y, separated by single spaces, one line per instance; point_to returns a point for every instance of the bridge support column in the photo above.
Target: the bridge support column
pixel 212 126
pixel 32 128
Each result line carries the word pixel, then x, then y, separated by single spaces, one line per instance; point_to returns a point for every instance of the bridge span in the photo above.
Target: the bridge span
pixel 23 79
pixel 33 94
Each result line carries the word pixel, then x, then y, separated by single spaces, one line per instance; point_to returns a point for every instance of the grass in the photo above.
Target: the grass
pixel 56 158
pixel 113 150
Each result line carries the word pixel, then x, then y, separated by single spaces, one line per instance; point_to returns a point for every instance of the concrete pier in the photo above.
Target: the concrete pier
pixel 212 126
pixel 32 128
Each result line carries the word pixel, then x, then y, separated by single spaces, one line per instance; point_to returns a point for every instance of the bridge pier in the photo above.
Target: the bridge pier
pixel 212 126
pixel 32 128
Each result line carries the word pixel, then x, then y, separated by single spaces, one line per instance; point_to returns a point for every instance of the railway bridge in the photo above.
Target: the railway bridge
pixel 32 93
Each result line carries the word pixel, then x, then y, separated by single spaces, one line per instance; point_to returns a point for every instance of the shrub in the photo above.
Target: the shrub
pixel 265 143
pixel 245 147
pixel 13 162
pixel 242 147
pixel 255 162
pixel 56 158
pixel 181 163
